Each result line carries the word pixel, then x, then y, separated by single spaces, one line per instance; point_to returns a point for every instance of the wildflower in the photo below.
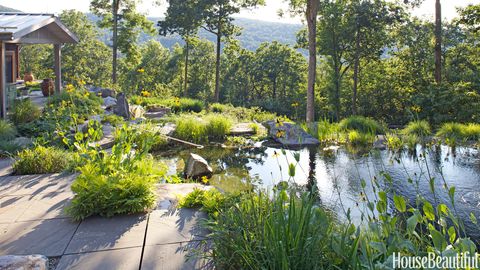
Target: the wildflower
pixel 280 133
pixel 275 154
pixel 146 94
pixel 279 122
pixel 204 180
pixel 140 70
pixel 177 101
pixel 295 104
pixel 70 88
pixel 416 108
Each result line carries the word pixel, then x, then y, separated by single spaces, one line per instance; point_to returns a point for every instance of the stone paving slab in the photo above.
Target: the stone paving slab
pixel 12 207
pixel 46 237
pixel 166 227
pixel 36 184
pixel 171 257
pixel 97 233
pixel 6 166
pixel 45 206
pixel 120 259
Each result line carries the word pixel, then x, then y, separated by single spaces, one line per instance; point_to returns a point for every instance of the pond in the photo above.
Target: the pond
pixel 338 173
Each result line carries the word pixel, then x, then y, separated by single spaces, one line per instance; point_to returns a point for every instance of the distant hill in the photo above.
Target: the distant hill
pixel 253 34
pixel 7 9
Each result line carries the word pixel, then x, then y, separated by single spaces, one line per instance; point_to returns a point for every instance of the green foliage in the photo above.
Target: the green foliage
pixel 122 182
pixel 472 131
pixel 7 130
pixel 356 138
pixel 218 126
pixel 361 124
pixel 24 111
pixel 209 201
pixel 421 128
pixel 454 133
pixel 41 160
pixel 191 129
pixel 176 104
pixel 113 120
pixel 144 137
pixel 411 140
pixel 394 142
pixel 294 230
pixel 328 132
pixel 8 148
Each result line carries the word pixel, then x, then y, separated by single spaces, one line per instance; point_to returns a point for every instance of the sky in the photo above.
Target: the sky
pixel 269 12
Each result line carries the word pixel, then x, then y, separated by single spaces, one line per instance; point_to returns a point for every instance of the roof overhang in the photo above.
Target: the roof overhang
pixel 29 28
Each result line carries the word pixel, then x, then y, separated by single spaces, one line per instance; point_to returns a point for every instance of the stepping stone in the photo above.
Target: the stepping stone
pixel 97 233
pixel 46 237
pixel 171 257
pixel 46 206
pixel 174 226
pixel 242 129
pixel 120 259
pixel 36 184
pixel 12 207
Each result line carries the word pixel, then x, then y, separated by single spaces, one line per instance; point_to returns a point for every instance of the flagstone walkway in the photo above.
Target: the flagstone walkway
pixel 32 221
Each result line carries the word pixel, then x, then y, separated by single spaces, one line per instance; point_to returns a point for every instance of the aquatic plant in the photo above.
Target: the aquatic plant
pixel 452 133
pixel 356 138
pixel 191 129
pixel 327 131
pixel 472 132
pixel 411 141
pixel 394 142
pixel 420 128
pixel 361 124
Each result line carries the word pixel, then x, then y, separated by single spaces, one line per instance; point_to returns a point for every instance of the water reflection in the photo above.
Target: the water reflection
pixel 338 174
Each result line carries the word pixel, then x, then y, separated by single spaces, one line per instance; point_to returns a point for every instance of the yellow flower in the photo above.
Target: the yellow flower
pixel 70 88
pixel 279 122
pixel 204 180
pixel 280 133
pixel 416 108
pixel 295 104
pixel 146 94
pixel 140 70
pixel 275 154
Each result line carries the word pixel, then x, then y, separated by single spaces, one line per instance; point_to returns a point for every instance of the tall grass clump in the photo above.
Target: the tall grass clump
pixel 191 129
pixel 218 126
pixel 451 133
pixel 24 111
pixel 472 132
pixel 260 233
pixel 361 124
pixel 41 160
pixel 394 142
pixel 328 131
pixel 360 139
pixel 420 128
pixel 7 130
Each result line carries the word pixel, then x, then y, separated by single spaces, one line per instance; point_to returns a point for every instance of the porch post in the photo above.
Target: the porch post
pixel 3 103
pixel 58 67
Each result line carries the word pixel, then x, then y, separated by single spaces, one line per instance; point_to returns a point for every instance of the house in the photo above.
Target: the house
pixel 27 28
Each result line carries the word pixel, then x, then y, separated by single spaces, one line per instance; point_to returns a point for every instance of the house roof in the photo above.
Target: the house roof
pixel 34 28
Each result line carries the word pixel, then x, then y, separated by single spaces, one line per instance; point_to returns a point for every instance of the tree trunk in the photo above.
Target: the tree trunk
pixel 438 42
pixel 311 14
pixel 115 6
pixel 355 73
pixel 185 83
pixel 217 64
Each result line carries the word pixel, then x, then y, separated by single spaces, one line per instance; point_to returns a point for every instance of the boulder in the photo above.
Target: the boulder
pixel 137 111
pixel 28 262
pixel 380 143
pixel 122 108
pixel 289 134
pixel 197 167
pixel 109 102
pixel 108 93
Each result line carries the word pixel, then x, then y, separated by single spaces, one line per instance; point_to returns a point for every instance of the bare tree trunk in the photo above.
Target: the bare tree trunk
pixel 438 42
pixel 311 14
pixel 115 7
pixel 185 83
pixel 217 64
pixel 355 73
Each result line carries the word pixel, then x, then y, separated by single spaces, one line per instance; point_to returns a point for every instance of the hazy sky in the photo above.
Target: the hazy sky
pixel 267 13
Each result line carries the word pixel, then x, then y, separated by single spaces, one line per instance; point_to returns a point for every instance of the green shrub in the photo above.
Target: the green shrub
pixel 8 148
pixel 361 124
pixel 122 182
pixel 218 126
pixel 79 102
pixel 113 120
pixel 191 129
pixel 145 137
pixel 210 201
pixel 24 111
pixel 282 233
pixel 452 133
pixel 472 132
pixel 421 128
pixel 356 138
pixel 393 141
pixel 7 130
pixel 41 160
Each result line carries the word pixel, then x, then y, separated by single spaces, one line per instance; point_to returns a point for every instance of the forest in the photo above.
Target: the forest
pixel 383 66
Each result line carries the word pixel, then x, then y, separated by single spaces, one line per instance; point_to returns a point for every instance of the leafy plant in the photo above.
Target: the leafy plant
pixel 209 201
pixel 421 128
pixel 41 160
pixel 452 133
pixel 7 130
pixel 24 111
pixel 218 126
pixel 8 148
pixel 394 142
pixel 356 138
pixel 361 124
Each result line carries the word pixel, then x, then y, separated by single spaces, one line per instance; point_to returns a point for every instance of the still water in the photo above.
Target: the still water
pixel 338 173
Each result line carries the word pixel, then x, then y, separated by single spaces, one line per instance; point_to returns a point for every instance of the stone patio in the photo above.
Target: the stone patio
pixel 32 221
